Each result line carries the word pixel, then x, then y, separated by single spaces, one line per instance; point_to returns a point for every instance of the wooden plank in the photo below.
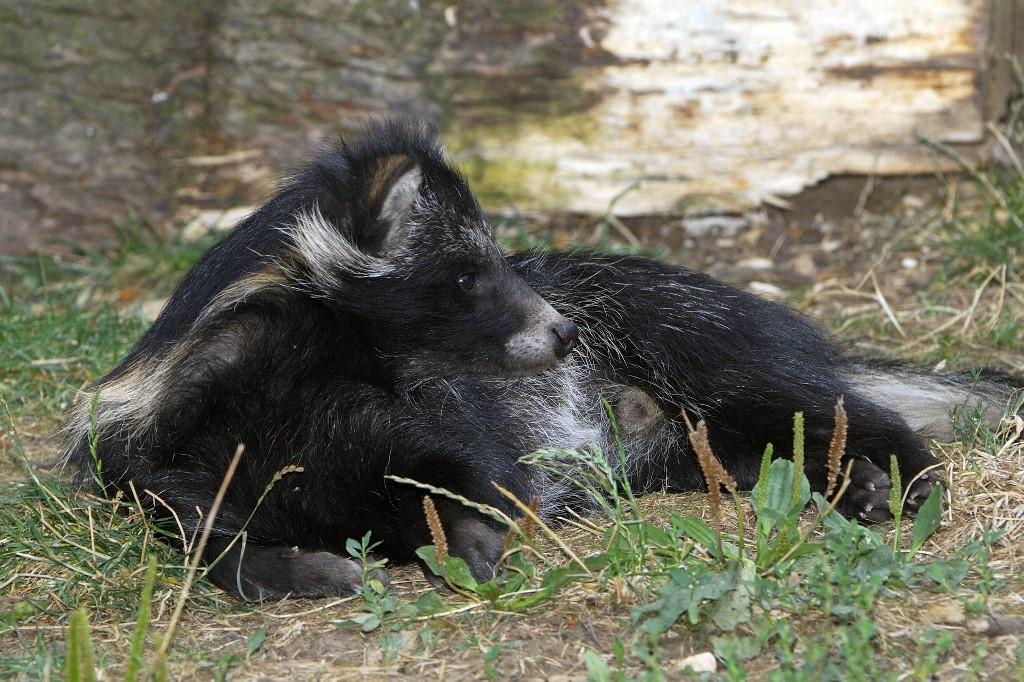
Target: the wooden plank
pixel 1005 42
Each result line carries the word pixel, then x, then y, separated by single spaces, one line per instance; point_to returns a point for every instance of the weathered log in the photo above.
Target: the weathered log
pixel 115 112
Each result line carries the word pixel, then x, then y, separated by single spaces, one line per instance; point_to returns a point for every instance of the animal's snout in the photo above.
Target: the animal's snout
pixel 567 334
pixel 547 337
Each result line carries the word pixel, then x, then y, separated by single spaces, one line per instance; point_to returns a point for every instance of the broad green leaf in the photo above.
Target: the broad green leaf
pixel 655 535
pixel 553 581
pixel 713 586
pixel 731 646
pixel 255 641
pixel 833 521
pixel 948 573
pixel 776 503
pixel 804 549
pixel 685 591
pixel 456 572
pixel 430 603
pixel 491 590
pixel 734 606
pixel 428 554
pixel 668 609
pixel 698 530
pixel 929 518
pixel 368 622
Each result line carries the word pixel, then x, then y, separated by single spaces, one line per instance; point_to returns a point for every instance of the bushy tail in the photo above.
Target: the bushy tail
pixel 929 403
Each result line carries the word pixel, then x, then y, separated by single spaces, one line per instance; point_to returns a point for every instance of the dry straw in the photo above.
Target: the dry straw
pixel 836 447
pixel 714 473
pixel 527 526
pixel 436 529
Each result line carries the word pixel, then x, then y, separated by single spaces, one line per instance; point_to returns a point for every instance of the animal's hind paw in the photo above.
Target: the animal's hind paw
pixel 922 487
pixel 867 495
pixel 476 543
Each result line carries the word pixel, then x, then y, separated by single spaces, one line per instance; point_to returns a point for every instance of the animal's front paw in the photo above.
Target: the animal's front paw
pixel 259 573
pixel 322 574
pixel 476 543
pixel 867 495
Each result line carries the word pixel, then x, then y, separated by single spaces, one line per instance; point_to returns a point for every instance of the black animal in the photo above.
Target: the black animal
pixel 363 322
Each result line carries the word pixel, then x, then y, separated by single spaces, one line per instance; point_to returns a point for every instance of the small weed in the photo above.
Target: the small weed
pixel 378 603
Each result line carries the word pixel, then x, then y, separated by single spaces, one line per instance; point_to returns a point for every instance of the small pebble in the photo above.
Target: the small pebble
pixel 764 289
pixel 703 662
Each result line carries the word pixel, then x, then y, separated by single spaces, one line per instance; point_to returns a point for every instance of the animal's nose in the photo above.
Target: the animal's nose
pixel 567 334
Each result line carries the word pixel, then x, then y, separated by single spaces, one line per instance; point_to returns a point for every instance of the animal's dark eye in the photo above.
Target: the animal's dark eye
pixel 467 281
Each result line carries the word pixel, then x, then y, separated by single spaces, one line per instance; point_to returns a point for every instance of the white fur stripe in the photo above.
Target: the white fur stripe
pixel 128 404
pixel 926 402
pixel 327 254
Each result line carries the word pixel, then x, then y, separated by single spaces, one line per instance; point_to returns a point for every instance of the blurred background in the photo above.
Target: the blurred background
pixel 115 113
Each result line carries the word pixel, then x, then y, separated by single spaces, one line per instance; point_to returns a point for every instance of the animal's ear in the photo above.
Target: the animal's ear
pixel 391 190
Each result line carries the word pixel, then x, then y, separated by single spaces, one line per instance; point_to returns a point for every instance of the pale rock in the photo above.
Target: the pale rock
pixel 764 289
pixel 727 225
pixel 703 662
pixel 912 202
pixel 755 263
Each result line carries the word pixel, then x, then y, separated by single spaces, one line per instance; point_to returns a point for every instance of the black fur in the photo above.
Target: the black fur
pixel 363 323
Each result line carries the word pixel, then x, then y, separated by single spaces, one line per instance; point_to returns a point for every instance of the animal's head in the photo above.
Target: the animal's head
pixel 396 239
